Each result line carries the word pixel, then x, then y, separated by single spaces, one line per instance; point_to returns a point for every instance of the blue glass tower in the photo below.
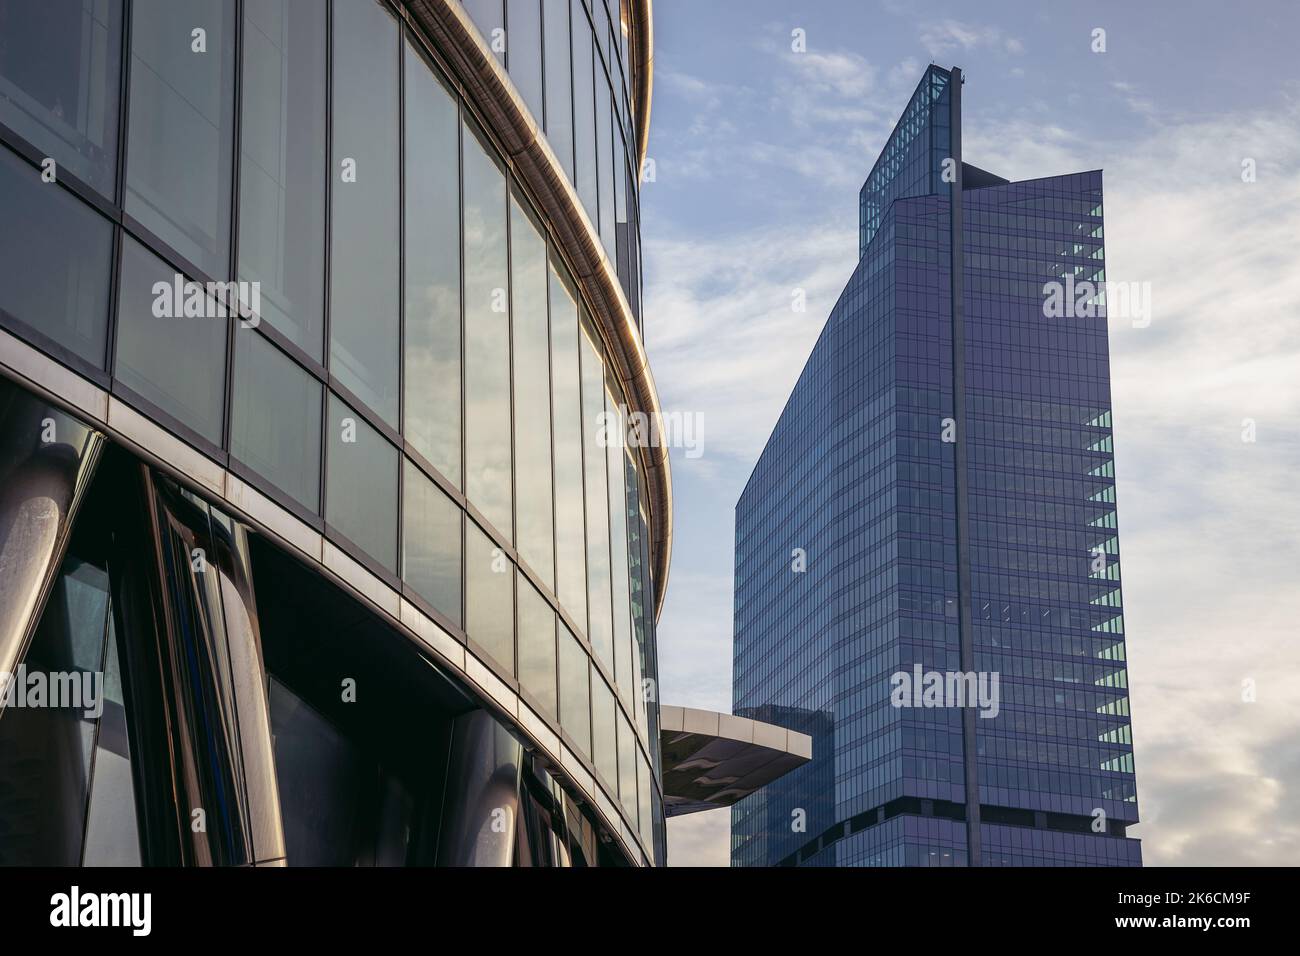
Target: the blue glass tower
pixel 938 495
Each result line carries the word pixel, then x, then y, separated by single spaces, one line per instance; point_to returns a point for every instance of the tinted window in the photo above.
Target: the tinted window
pixel 431 543
pixel 627 761
pixel 559 83
pixel 361 484
pixel 532 380
pixel 584 111
pixel 364 228
pixel 432 251
pixel 275 418
pixel 182 126
pixel 174 360
pixel 566 413
pixel 537 647
pixel 59 65
pixel 489 597
pixel 575 703
pixel 54 261
pixel 593 418
pixel 524 52
pixel 487 336
pixel 487 16
pixel 282 173
pixel 604 730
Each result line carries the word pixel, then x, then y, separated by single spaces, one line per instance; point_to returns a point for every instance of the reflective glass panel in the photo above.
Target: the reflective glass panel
pixel 533 504
pixel 181 126
pixel 59 66
pixel 361 484
pixel 364 231
pixel 489 597
pixel 431 543
pixel 487 336
pixel 283 166
pixel 173 359
pixel 275 418
pixel 575 693
pixel 537 671
pixel 566 414
pixel 599 624
pixel 432 258
pixel 54 261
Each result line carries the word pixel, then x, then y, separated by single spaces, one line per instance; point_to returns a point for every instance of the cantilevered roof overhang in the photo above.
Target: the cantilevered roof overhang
pixel 711 760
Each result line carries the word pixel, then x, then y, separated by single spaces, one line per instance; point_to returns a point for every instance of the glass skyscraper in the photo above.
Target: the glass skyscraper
pixel 938 496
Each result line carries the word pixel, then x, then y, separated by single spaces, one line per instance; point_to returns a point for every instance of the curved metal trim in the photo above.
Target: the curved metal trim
pixel 643 60
pixel 493 94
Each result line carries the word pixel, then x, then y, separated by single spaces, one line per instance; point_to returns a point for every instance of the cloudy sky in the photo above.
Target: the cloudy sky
pixel 759 153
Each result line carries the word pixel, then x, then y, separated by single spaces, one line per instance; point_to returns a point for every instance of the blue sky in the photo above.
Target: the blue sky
pixel 758 155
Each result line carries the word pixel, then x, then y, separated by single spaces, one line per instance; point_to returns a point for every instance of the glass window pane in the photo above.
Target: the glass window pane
pixel 431 543
pixel 627 761
pixel 275 418
pixel 489 597
pixel 533 507
pixel 559 83
pixel 487 336
pixel 361 484
pixel 575 713
pixel 487 16
pixel 432 252
pixel 283 166
pixel 599 626
pixel 364 237
pixel 537 647
pixel 604 730
pixel 182 126
pixel 605 163
pixel 524 51
pixel 566 413
pixel 59 67
pixel 112 830
pixel 584 111
pixel 614 442
pixel 643 798
pixel 174 360
pixel 54 261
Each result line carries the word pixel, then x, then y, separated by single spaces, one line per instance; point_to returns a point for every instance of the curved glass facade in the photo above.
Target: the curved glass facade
pixel 279 229
pixel 569 61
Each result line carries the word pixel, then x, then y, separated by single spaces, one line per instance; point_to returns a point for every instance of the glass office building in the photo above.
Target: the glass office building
pixel 314 320
pixel 938 495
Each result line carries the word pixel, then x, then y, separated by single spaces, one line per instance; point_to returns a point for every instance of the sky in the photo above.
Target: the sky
pixel 759 152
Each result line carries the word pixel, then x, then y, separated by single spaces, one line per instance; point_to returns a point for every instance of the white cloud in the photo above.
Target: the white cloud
pixel 941 37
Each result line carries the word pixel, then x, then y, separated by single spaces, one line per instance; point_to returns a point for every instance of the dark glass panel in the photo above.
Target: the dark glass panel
pixel 55 258
pixel 489 597
pixel 575 691
pixel 364 234
pixel 537 669
pixel 431 543
pixel 182 126
pixel 174 360
pixel 283 167
pixel 361 484
pixel 59 67
pixel 275 418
